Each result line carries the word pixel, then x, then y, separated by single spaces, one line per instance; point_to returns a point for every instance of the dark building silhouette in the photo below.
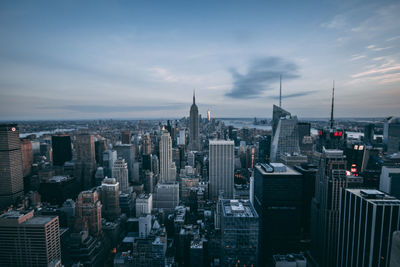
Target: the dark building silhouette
pixel 264 149
pixel 278 201
pixel 125 137
pixel 194 130
pixel 62 150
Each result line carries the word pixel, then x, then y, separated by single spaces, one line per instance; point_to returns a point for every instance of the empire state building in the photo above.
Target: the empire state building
pixel 194 142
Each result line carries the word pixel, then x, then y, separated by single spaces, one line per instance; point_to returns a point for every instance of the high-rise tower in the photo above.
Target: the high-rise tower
pixel 167 166
pixel 194 141
pixel 85 155
pixel 120 173
pixel 11 176
pixel 222 154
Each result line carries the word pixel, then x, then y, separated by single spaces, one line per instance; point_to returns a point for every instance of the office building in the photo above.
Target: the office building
pixel 62 150
pixel 391 135
pixel 367 221
pixel 85 163
pixel 88 209
pixel 28 240
pixel 109 158
pixel 395 250
pixel 264 149
pixel 166 196
pixel 125 137
pixel 309 173
pixel 27 157
pixel 167 166
pixel 127 152
pixel 331 178
pixel 239 233
pixel 144 204
pixel 369 133
pixel 390 181
pixel 11 175
pixel 99 147
pixel 221 168
pixel 194 129
pixel 110 198
pixel 278 202
pixel 120 173
pixel 146 144
pixel 286 138
pixel 277 114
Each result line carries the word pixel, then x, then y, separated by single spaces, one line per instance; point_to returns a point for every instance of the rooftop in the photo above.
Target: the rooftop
pixel 276 169
pixel 238 208
pixel 221 142
pixel 375 197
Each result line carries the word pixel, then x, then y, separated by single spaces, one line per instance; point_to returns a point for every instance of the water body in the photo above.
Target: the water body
pixel 38 134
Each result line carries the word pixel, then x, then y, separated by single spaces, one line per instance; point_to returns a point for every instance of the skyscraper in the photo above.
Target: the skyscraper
pixel 62 150
pixel 239 229
pixel 110 198
pixel 85 155
pixel 167 166
pixel 278 201
pixel 125 137
pixel 27 156
pixel 277 114
pixel 389 181
pixel 286 138
pixel 120 173
pixel 194 130
pixel 391 135
pixel 368 219
pixel 28 240
pixel 127 152
pixel 88 209
pixel 221 168
pixel 331 178
pixel 11 176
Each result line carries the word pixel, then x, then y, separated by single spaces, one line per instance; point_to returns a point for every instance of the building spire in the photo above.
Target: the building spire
pixel 194 96
pixel 333 98
pixel 280 90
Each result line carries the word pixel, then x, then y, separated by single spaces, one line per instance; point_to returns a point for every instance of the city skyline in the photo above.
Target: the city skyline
pixel 74 60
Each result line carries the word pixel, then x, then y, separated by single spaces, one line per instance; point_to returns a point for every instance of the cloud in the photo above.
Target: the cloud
pixel 299 94
pixel 260 75
pixel 356 57
pixel 339 21
pixel 393 38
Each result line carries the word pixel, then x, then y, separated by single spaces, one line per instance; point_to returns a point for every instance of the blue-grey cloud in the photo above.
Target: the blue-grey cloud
pixel 298 94
pixel 261 74
pixel 116 109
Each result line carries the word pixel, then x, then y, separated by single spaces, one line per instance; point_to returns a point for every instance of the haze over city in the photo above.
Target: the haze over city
pixel 136 59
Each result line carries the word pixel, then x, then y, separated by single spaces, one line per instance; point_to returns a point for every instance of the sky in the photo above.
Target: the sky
pixel 144 59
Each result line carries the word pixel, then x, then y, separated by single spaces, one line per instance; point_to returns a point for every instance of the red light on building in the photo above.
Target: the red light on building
pixel 320 132
pixel 338 133
pixel 353 169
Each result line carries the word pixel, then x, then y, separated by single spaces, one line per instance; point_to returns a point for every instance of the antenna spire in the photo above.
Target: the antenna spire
pixel 280 90
pixel 333 99
pixel 194 97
